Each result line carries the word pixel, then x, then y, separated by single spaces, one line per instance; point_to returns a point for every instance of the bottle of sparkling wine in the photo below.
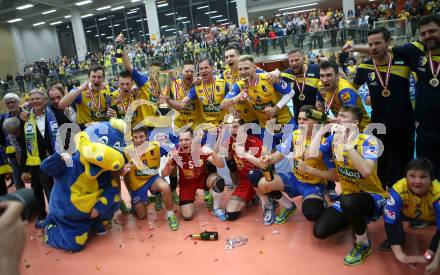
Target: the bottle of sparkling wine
pixel 206 236
pixel 316 115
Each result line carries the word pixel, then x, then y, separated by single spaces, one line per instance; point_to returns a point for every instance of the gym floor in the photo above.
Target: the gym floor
pixel 148 246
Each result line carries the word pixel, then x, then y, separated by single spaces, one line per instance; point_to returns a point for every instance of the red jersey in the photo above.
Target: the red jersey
pixel 243 165
pixel 190 171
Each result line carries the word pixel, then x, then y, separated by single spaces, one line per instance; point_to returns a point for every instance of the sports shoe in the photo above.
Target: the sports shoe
pixel 158 202
pixel 284 214
pixel 332 195
pixel 268 214
pixel 209 200
pixel 418 224
pixel 385 245
pixel 40 224
pixel 100 229
pixel 220 213
pixel 358 254
pixel 124 208
pixel 173 223
pixel 175 197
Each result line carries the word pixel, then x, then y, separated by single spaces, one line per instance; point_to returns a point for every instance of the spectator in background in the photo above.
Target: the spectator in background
pixel 20 82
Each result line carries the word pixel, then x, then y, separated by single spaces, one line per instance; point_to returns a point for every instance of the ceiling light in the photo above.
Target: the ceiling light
pixel 171 13
pixel 102 34
pixel 27 6
pixel 89 31
pixel 209 12
pixel 130 12
pixel 49 11
pixel 164 26
pixel 133 1
pixel 14 20
pixel 103 8
pixel 170 30
pixel 83 2
pixel 117 8
pixel 299 6
pixel 221 20
pixel 87 15
pixel 162 5
pixel 202 7
pixel 103 18
pixel 38 24
pixel 139 20
pixel 56 23
pixel 224 24
pixel 186 22
pixel 67 16
pixel 109 37
pixel 217 16
pixel 181 18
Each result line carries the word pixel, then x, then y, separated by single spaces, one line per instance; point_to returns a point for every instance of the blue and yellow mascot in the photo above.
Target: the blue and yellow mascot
pixel 85 195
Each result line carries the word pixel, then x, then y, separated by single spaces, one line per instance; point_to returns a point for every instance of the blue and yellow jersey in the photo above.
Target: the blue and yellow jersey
pixel 300 144
pixel 264 94
pixel 189 114
pixel 404 203
pixel 384 109
pixel 310 87
pixel 345 95
pixel 210 108
pixel 146 92
pixel 120 104
pixel 350 179
pixel 151 159
pixel 86 111
pixel 427 97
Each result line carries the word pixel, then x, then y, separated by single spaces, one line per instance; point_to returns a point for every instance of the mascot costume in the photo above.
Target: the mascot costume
pixel 85 195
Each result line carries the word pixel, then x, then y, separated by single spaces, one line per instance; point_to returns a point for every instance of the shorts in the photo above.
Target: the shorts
pixel 379 202
pixel 293 187
pixel 188 189
pixel 141 195
pixel 244 190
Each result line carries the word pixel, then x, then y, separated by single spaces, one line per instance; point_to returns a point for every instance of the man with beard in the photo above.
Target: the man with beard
pixel 303 78
pixel 91 98
pixel 424 59
pixel 387 78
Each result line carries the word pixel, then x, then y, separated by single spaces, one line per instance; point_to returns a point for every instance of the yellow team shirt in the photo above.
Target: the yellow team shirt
pixel 210 110
pixel 264 94
pixel 189 114
pixel 151 159
pixel 86 111
pixel 414 206
pixel 350 179
pixel 301 145
pixel 345 95
pixel 121 104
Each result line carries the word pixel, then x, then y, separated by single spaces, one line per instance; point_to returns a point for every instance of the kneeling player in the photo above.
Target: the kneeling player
pixel 362 196
pixel 139 181
pixel 307 179
pixel 192 175
pixel 244 160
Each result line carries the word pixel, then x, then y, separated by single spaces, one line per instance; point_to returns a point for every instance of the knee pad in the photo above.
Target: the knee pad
pixel 231 165
pixel 232 216
pixel 254 177
pixel 219 185
pixel 312 208
pixel 276 195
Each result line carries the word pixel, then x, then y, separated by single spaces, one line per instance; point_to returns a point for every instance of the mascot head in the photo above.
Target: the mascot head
pixel 100 147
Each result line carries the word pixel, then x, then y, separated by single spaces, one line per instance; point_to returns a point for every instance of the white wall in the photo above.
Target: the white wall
pixel 39 43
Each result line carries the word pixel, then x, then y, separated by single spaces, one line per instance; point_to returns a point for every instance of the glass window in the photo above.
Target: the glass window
pixel 200 12
pixel 166 15
pixel 183 16
pixel 232 11
pixel 218 13
pixel 66 39
pixel 134 22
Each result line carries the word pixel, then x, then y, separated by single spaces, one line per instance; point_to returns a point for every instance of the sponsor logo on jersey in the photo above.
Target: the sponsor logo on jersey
pixel 345 97
pixel 372 76
pixel 391 201
pixel 390 214
pixel 422 61
pixel 349 173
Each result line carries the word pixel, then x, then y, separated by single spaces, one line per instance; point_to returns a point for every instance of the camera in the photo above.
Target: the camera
pixel 27 198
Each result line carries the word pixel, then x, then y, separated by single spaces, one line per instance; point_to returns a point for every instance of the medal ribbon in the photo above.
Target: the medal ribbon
pixel 122 101
pixel 301 90
pixel 435 71
pixel 210 97
pixel 331 101
pixel 379 76
pixel 97 107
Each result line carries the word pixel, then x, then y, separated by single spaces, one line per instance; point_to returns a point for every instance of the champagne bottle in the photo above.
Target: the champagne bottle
pixel 206 236
pixel 268 172
pixel 119 49
pixel 316 115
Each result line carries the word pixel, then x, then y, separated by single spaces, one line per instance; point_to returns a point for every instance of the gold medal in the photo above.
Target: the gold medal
pixel 434 82
pixel 386 92
pixel 301 97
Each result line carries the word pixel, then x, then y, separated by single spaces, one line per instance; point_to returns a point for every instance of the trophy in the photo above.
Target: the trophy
pixel 165 81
